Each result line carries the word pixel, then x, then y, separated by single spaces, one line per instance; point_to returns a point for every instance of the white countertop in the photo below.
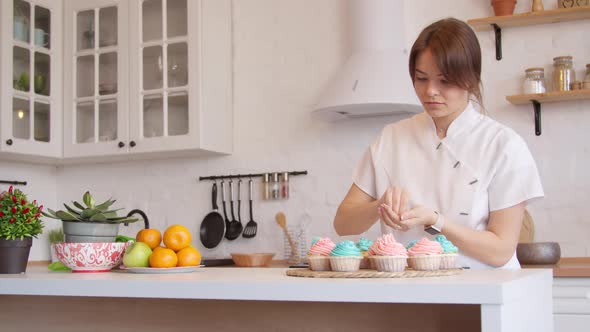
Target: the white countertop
pixel 272 284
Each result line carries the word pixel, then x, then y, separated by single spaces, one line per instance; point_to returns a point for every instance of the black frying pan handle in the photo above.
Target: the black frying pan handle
pixel 214 196
pixel 146 222
pixel 223 200
pixel 250 197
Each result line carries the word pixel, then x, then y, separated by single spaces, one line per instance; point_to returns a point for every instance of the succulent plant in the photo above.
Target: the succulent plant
pixel 91 213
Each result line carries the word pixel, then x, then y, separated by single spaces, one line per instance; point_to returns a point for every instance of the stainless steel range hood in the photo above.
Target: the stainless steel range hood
pixel 375 80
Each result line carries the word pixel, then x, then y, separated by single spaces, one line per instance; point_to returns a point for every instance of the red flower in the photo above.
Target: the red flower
pixel 12 220
pixel 28 220
pixel 1 214
pixel 14 199
pixel 41 208
pixel 36 214
pixel 22 201
pixel 13 209
pixel 25 211
pixel 10 189
pixel 35 202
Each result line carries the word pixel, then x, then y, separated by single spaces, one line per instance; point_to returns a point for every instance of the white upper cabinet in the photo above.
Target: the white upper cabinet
pixel 30 80
pixel 96 78
pixel 147 77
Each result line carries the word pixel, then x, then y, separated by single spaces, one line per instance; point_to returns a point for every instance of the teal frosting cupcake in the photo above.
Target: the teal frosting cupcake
pixel 448 246
pixel 346 249
pixel 364 244
pixel 314 240
pixel 411 244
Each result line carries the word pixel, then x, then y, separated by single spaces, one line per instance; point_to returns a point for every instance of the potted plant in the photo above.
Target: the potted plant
pixel 19 224
pixel 503 7
pixel 90 222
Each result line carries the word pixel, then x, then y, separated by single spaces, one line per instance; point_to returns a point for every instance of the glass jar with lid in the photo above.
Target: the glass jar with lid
pixel 563 73
pixel 534 80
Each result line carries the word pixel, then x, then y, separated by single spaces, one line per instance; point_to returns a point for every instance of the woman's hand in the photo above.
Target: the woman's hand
pixel 393 204
pixel 419 215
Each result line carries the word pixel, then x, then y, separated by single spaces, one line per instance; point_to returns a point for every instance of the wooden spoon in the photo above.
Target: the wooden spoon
pixel 282 222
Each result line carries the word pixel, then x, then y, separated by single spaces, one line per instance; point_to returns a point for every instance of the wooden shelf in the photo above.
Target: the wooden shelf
pixel 550 97
pixel 531 18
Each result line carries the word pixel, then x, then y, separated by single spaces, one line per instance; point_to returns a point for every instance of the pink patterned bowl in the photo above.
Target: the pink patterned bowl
pixel 90 257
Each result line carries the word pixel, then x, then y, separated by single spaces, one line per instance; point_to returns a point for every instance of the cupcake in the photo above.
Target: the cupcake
pixel 388 255
pixel 364 245
pixel 345 257
pixel 425 255
pixel 318 255
pixel 450 252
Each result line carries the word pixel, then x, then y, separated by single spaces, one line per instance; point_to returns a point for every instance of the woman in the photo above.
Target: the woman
pixel 450 169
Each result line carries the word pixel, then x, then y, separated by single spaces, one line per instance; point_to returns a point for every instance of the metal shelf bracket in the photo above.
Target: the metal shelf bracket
pixel 537 106
pixel 498 33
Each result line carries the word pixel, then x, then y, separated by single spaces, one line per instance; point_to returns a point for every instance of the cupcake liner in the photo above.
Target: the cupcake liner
pixel 389 263
pixel 345 264
pixel 319 263
pixel 366 262
pixel 425 262
pixel 448 261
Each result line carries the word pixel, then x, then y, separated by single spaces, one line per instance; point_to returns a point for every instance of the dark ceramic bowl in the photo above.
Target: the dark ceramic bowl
pixel 544 253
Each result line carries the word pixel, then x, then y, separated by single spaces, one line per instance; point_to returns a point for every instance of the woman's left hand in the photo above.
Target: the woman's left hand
pixel 419 215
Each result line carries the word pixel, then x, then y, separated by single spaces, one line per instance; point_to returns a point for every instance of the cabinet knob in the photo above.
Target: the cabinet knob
pixel 121 144
pixel 9 141
pixel 132 144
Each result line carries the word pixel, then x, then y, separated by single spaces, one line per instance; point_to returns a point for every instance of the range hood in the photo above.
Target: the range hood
pixel 374 80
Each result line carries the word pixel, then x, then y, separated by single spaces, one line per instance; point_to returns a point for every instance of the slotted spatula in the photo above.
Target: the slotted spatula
pixel 251 226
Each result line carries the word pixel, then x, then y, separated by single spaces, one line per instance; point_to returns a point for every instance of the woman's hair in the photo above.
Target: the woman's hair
pixel 456 51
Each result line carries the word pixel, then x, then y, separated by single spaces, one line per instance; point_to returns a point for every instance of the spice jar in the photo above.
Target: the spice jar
pixel 534 81
pixel 577 85
pixel 285 185
pixel 563 73
pixel 275 191
pixel 266 186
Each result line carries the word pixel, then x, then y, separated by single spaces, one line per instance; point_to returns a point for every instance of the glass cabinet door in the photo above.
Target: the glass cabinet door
pixel 31 72
pixel 164 68
pixel 96 72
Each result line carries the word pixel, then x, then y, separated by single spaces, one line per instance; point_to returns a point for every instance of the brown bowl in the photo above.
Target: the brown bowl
pixel 538 253
pixel 252 260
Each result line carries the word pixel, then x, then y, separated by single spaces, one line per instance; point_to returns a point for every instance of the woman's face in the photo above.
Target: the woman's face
pixel 440 98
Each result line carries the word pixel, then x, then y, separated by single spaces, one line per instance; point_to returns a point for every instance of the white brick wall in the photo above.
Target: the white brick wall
pixel 285 53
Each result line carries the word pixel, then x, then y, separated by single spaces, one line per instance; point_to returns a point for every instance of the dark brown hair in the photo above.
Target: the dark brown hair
pixel 456 51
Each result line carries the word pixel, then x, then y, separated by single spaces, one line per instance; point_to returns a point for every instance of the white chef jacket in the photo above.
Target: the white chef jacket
pixel 480 166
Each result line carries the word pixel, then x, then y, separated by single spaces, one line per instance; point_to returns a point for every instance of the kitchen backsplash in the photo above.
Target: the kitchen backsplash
pixel 285 52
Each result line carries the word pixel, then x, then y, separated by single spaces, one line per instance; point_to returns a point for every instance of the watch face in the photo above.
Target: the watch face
pixel 431 230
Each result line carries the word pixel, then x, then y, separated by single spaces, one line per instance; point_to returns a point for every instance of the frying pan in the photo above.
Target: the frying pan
pixel 212 226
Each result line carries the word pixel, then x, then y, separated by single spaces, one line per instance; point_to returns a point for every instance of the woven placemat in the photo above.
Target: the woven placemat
pixel 408 273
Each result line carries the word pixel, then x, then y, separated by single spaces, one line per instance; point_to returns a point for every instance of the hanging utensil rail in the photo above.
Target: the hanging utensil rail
pixel 17 183
pixel 235 176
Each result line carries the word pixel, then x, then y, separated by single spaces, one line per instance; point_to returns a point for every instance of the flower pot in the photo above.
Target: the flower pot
pixel 77 231
pixel 503 7
pixel 14 255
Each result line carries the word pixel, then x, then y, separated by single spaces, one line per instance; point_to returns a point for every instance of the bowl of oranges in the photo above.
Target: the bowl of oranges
pixel 147 255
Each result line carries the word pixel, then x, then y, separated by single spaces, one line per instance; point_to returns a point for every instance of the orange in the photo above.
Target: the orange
pixel 157 248
pixel 150 236
pixel 177 237
pixel 163 258
pixel 189 256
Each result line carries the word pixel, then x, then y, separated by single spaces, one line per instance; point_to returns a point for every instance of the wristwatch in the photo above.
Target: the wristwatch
pixel 438 225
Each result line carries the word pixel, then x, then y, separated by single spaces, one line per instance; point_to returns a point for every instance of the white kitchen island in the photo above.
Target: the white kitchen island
pixel 265 299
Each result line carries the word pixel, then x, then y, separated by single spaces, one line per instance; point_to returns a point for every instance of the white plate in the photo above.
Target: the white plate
pixel 161 270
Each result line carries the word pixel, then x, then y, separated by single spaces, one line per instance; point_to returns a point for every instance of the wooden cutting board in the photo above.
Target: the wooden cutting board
pixel 567 267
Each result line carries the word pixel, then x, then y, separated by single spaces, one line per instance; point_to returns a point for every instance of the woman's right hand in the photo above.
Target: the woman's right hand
pixel 393 204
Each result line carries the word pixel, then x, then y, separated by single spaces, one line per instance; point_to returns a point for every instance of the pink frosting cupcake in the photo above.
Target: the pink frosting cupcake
pixel 318 255
pixel 425 255
pixel 388 255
